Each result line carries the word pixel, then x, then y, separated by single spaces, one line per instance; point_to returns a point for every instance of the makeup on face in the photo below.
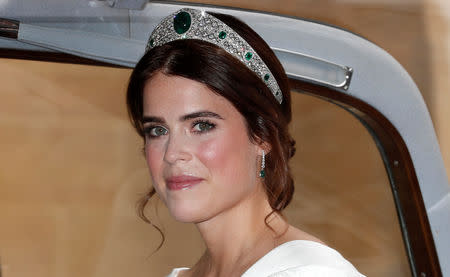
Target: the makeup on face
pixel 182 182
pixel 198 152
pixel 155 126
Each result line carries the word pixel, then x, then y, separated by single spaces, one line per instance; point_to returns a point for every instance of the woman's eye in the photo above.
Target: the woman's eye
pixel 156 131
pixel 203 126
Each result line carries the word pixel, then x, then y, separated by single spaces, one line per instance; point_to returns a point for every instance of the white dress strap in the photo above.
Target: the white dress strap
pixel 175 271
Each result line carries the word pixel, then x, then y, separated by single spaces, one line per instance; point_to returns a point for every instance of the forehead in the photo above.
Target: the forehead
pixel 175 95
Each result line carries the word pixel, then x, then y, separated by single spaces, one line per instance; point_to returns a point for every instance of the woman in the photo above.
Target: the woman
pixel 212 103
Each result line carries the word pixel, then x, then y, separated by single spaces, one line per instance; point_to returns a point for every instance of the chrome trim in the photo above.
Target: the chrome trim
pixel 314 69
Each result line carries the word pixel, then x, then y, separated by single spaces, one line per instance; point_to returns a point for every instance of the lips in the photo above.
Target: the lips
pixel 182 182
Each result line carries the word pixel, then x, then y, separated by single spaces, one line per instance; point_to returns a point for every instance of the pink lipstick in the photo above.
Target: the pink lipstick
pixel 182 182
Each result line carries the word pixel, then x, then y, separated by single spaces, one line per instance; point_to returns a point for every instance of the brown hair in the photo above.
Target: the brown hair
pixel 267 120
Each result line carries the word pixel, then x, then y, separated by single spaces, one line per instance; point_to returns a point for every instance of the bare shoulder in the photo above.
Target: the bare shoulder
pixel 294 233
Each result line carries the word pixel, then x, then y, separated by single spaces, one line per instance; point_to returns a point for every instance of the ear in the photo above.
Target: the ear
pixel 263 146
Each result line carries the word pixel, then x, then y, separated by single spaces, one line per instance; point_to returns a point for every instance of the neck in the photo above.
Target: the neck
pixel 238 237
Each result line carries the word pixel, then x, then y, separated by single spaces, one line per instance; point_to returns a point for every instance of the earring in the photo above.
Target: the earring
pixel 262 173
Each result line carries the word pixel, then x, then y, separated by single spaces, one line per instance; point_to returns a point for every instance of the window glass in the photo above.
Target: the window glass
pixel 342 189
pixel 72 171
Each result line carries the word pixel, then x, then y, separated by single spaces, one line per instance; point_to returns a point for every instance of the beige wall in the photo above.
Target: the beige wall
pixel 71 169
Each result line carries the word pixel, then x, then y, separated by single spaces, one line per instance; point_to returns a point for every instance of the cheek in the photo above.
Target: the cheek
pixel 228 158
pixel 212 153
pixel 154 158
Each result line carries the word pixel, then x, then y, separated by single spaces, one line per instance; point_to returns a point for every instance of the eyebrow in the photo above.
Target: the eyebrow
pixel 156 119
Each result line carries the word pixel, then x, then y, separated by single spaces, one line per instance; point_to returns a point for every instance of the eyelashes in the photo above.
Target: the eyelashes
pixel 203 126
pixel 198 127
pixel 155 131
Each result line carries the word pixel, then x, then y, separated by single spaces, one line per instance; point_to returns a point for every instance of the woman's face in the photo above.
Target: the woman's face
pixel 200 158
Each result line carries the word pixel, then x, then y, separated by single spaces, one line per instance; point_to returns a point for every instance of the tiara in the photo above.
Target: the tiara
pixel 194 24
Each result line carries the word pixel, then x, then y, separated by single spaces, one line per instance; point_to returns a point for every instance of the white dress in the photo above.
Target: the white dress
pixel 298 258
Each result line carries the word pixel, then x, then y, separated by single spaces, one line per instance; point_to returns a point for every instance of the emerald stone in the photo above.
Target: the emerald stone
pixel 182 22
pixel 248 56
pixel 222 35
pixel 262 174
pixel 152 42
pixel 266 77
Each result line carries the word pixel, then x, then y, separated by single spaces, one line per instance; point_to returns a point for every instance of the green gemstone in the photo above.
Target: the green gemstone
pixel 182 22
pixel 222 35
pixel 152 42
pixel 262 174
pixel 248 56
pixel 266 77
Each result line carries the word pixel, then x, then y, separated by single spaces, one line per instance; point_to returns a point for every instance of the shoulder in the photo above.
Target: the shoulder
pixel 302 258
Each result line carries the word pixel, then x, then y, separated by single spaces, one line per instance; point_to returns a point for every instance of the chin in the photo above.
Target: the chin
pixel 186 213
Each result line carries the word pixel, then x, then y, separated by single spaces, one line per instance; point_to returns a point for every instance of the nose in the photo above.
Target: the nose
pixel 177 149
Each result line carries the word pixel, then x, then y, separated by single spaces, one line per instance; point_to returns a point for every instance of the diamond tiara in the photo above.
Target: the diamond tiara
pixel 194 24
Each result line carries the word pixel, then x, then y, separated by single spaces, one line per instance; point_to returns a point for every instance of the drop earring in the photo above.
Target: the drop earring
pixel 262 172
